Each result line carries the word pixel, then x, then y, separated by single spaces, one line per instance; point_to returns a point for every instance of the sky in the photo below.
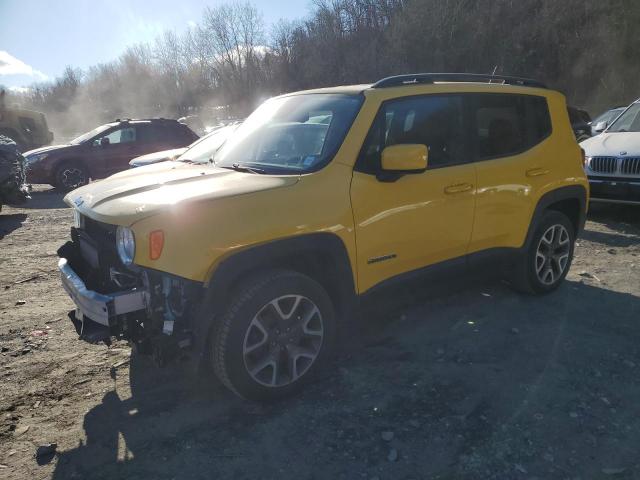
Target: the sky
pixel 39 38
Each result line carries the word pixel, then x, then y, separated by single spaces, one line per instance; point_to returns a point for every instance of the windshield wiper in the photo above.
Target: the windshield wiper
pixel 244 168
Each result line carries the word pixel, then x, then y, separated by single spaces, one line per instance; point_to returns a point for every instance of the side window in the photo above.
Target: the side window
pixel 436 121
pixel 148 133
pixel 178 134
pixel 500 122
pixel 508 124
pixel 122 135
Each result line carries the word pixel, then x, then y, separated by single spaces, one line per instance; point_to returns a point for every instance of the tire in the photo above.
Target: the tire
pixel 71 175
pixel 259 350
pixel 546 263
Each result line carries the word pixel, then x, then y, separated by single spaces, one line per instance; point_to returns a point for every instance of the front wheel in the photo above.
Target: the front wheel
pixel 70 176
pixel 546 263
pixel 278 330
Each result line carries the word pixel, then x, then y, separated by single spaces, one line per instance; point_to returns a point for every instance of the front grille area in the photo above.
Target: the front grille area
pixel 618 166
pixel 630 166
pixel 603 164
pixel 95 244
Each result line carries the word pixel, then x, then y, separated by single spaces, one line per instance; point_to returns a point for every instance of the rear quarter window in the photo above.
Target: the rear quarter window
pixel 508 124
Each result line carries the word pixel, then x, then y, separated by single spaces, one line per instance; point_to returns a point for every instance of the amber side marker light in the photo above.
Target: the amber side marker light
pixel 156 242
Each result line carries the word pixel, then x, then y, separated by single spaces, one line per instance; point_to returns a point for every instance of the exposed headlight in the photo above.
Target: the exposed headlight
pixel 36 157
pixel 126 244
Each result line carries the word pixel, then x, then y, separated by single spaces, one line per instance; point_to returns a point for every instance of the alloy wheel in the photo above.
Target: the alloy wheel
pixel 552 255
pixel 283 340
pixel 72 177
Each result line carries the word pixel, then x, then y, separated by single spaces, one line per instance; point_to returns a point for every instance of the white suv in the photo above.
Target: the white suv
pixel 613 159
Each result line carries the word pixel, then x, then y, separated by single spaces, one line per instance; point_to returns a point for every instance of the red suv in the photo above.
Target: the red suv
pixel 104 151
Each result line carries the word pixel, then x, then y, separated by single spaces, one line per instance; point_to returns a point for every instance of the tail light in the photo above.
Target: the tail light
pixel 156 243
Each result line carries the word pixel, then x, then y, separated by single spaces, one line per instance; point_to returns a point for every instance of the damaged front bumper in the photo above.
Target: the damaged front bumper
pixel 100 308
pixel 152 310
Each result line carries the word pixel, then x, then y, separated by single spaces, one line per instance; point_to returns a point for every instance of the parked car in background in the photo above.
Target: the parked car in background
pixel 214 141
pixel 104 151
pixel 27 128
pixel 600 123
pixel 613 159
pixel 13 190
pixel 580 123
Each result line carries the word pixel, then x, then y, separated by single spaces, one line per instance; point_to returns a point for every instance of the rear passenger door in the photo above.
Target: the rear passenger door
pixel 511 143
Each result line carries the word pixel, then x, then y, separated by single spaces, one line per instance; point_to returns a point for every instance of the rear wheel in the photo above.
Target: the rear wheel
pixel 547 261
pixel 70 176
pixel 278 330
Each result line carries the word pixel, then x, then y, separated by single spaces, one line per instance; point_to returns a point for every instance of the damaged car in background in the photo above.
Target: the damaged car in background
pixel 13 188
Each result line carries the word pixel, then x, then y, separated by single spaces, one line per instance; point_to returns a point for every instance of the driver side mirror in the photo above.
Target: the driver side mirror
pixel 601 127
pixel 104 141
pixel 399 160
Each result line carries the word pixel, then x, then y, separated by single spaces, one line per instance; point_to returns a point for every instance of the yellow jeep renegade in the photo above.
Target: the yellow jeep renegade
pixel 254 256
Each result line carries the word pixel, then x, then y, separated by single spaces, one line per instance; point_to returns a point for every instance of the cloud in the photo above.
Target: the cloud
pixel 15 89
pixel 10 65
pixel 192 24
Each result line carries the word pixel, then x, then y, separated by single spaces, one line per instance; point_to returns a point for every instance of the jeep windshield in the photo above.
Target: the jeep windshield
pixel 289 135
pixel 203 150
pixel 86 136
pixel 629 121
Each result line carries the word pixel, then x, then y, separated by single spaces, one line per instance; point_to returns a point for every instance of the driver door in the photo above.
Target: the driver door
pixel 420 219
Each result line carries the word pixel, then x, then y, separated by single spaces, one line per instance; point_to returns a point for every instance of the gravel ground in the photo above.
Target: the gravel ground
pixel 467 382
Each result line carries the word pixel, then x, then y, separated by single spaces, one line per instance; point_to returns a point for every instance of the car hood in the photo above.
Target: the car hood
pixel 132 195
pixel 50 148
pixel 156 157
pixel 613 145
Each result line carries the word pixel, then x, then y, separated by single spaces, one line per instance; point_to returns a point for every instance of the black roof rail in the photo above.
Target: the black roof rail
pixel 427 78
pixel 156 119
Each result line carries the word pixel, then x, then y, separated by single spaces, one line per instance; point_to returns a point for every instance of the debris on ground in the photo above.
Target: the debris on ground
pixel 21 430
pixel 589 275
pixel 613 471
pixel 393 455
pixel 44 450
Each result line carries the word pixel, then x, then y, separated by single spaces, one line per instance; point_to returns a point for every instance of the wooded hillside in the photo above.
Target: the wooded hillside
pixel 586 48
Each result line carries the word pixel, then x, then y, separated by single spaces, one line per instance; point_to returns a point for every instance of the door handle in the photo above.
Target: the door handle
pixel 536 172
pixel 458 188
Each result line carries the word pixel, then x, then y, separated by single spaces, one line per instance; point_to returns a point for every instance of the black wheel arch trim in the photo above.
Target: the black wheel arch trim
pixel 280 253
pixel 570 192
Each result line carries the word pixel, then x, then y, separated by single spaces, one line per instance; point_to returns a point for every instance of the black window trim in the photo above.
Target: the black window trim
pixel 465 121
pixel 469 123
